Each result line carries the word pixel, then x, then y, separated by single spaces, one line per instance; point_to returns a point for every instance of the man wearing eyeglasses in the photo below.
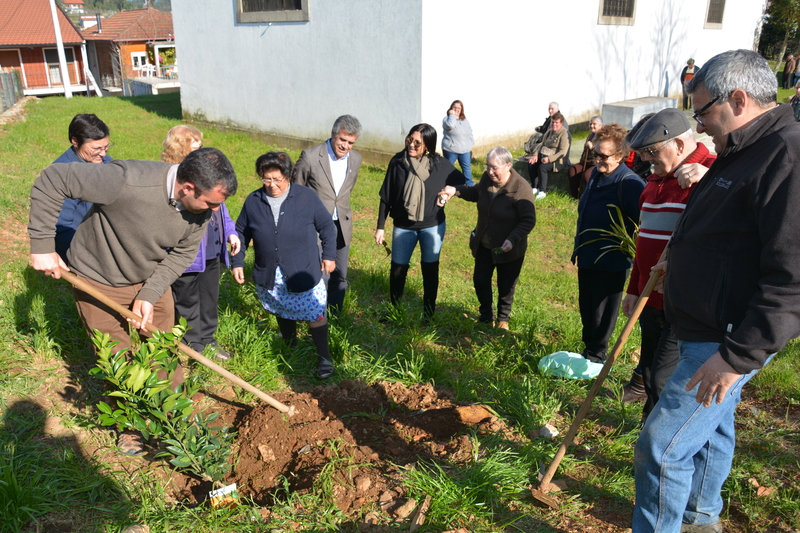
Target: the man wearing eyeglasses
pixel 667 142
pixel 331 169
pixel 731 292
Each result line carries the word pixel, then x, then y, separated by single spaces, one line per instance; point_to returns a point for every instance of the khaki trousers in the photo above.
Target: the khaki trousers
pixel 96 316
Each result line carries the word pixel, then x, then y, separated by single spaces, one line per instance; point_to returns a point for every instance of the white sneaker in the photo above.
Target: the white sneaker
pixel 535 190
pixel 540 195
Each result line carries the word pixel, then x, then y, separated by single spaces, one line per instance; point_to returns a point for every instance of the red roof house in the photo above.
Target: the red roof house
pixel 28 46
pixel 131 44
pixel 73 6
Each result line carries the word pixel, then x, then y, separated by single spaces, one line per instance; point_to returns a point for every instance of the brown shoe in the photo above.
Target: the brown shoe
pixel 634 389
pixel 502 324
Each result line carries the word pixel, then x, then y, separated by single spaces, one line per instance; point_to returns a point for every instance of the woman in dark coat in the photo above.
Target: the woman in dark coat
pixel 283 221
pixel 409 195
pixel 603 270
pixel 506 216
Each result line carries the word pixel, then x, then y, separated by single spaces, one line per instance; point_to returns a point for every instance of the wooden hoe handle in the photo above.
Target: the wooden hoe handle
pixel 127 313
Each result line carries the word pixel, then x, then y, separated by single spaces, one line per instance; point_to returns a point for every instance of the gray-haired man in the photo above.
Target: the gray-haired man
pixel 331 170
pixel 731 292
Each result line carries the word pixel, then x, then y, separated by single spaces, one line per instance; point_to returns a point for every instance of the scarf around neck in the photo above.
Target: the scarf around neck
pixel 414 191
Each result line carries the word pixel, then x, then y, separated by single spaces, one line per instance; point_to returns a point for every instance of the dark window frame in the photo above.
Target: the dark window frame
pixel 613 12
pixel 715 8
pixel 271 15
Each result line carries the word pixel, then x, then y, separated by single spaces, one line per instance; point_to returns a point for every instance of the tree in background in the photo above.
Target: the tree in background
pixel 780 28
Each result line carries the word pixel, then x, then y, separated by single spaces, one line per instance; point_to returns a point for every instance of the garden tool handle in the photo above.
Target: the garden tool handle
pixel 127 313
pixel 587 403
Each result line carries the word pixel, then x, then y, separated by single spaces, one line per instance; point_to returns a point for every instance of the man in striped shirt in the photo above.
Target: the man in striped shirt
pixel 666 140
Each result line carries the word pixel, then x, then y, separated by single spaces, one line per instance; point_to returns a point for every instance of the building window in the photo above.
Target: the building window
pixel 254 11
pixel 714 13
pixel 138 59
pixel 54 74
pixel 617 12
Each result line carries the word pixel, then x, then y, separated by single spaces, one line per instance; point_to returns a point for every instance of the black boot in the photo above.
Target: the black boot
pixel 288 331
pixel 634 389
pixel 430 287
pixel 397 282
pixel 324 362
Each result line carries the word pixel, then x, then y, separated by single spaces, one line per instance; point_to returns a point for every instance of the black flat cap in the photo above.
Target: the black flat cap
pixel 664 125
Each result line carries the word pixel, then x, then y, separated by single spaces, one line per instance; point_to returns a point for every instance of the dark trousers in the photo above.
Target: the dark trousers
pixel 507 277
pixel 659 354
pixel 578 177
pixel 533 174
pixel 599 297
pixel 337 281
pixel 196 297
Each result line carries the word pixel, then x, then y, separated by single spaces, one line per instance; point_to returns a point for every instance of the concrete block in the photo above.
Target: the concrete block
pixel 628 112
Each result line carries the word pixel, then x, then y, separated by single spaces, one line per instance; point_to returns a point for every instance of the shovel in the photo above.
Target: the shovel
pixel 540 493
pixel 127 313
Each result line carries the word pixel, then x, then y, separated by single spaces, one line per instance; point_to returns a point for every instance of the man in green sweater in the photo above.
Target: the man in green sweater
pixel 143 231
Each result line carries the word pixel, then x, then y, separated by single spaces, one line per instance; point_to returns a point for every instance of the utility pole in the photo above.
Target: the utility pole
pixel 62 58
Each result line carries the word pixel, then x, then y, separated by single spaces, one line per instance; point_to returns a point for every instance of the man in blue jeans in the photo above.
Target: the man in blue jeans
pixel 731 292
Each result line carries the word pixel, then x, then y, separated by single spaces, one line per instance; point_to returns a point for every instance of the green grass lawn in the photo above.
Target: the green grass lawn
pixel 45 357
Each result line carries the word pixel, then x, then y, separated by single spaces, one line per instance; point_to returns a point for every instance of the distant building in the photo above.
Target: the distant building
pixel 73 6
pixel 87 21
pixel 28 46
pixel 132 44
pixel 394 64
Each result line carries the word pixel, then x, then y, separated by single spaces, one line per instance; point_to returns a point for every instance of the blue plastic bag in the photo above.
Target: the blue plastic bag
pixel 569 365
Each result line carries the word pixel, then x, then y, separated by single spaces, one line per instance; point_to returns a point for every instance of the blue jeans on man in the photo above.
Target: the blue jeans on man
pixel 685 450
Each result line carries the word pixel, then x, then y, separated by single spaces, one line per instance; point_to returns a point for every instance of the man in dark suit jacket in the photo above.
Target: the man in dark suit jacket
pixel 331 170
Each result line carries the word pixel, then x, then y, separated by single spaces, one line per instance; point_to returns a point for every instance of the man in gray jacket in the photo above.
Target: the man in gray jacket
pixel 331 169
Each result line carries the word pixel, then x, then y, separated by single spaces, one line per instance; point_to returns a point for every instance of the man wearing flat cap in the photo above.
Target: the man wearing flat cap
pixel 731 292
pixel 667 141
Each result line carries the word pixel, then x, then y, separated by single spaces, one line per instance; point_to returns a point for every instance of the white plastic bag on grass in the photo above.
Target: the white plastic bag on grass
pixel 569 365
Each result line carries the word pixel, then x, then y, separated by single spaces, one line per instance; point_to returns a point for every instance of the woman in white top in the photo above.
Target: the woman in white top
pixel 457 140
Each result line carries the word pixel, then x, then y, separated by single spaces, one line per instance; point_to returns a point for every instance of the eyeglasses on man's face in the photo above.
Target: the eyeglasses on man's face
pixel 653 150
pixel 703 110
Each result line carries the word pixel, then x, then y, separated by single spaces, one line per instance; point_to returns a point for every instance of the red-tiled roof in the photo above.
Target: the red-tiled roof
pixel 73 2
pixel 29 22
pixel 137 25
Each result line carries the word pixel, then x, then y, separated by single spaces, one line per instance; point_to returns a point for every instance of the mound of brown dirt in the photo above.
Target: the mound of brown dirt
pixel 354 434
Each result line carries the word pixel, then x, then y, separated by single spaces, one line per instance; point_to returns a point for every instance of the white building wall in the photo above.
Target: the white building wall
pixel 359 57
pixel 507 61
pixel 393 64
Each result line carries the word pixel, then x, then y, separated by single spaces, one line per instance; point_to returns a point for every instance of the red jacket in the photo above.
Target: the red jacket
pixel 661 204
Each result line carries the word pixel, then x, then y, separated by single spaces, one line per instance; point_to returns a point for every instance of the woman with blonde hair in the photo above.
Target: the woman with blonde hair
pixel 179 142
pixel 196 292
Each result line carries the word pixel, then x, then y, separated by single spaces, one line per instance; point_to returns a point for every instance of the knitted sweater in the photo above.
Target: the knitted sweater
pixel 457 135
pixel 72 211
pixel 661 204
pixel 132 235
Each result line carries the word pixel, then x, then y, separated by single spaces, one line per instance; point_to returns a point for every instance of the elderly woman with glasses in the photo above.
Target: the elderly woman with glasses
pixel 602 266
pixel 284 221
pixel 414 178
pixel 89 138
pixel 506 216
